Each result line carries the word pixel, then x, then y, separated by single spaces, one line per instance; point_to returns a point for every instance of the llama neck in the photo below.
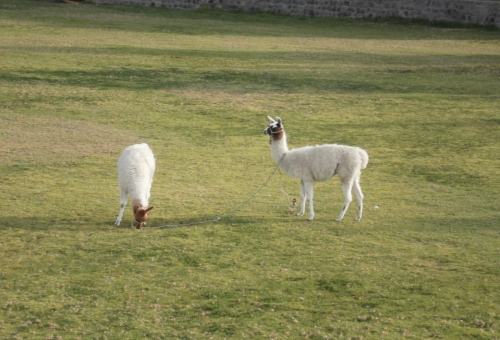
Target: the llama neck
pixel 278 146
pixel 143 202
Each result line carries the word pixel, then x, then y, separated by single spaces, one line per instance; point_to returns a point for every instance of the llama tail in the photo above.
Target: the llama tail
pixel 364 158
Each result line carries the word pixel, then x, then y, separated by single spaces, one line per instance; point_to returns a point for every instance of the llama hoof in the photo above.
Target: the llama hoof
pixel 309 220
pixel 300 214
pixel 338 219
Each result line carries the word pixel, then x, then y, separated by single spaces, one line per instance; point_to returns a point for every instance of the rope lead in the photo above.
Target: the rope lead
pixel 229 212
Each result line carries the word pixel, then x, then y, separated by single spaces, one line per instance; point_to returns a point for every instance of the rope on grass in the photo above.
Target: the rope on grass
pixel 230 211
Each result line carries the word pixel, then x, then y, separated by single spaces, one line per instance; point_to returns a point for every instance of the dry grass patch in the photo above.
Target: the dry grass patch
pixel 43 139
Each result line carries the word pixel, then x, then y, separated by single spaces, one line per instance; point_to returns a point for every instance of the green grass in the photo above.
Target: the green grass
pixel 80 82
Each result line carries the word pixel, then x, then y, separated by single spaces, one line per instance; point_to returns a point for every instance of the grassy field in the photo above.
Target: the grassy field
pixel 80 82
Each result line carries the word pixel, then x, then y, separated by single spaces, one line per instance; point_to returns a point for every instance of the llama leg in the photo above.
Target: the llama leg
pixel 309 190
pixel 359 196
pixel 123 203
pixel 346 189
pixel 302 199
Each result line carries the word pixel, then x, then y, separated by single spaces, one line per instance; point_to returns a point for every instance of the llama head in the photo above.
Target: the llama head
pixel 275 129
pixel 141 215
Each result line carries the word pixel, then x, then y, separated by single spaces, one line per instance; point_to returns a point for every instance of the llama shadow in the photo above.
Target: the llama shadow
pixel 34 224
pixel 204 220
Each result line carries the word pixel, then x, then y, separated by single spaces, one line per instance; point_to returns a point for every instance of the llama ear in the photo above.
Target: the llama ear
pixel 150 208
pixel 272 120
pixel 278 119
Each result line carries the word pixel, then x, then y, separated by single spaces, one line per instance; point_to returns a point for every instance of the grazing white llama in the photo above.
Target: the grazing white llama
pixel 136 168
pixel 319 163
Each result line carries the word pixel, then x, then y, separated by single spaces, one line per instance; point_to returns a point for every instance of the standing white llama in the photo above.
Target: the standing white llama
pixel 136 168
pixel 319 163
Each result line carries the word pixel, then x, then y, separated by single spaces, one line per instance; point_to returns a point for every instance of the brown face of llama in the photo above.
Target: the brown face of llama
pixel 141 216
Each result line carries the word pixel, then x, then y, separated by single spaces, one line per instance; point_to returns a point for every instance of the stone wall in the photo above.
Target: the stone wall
pixel 458 11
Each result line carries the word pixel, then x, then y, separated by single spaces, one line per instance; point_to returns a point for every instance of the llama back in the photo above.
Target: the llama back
pixel 136 168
